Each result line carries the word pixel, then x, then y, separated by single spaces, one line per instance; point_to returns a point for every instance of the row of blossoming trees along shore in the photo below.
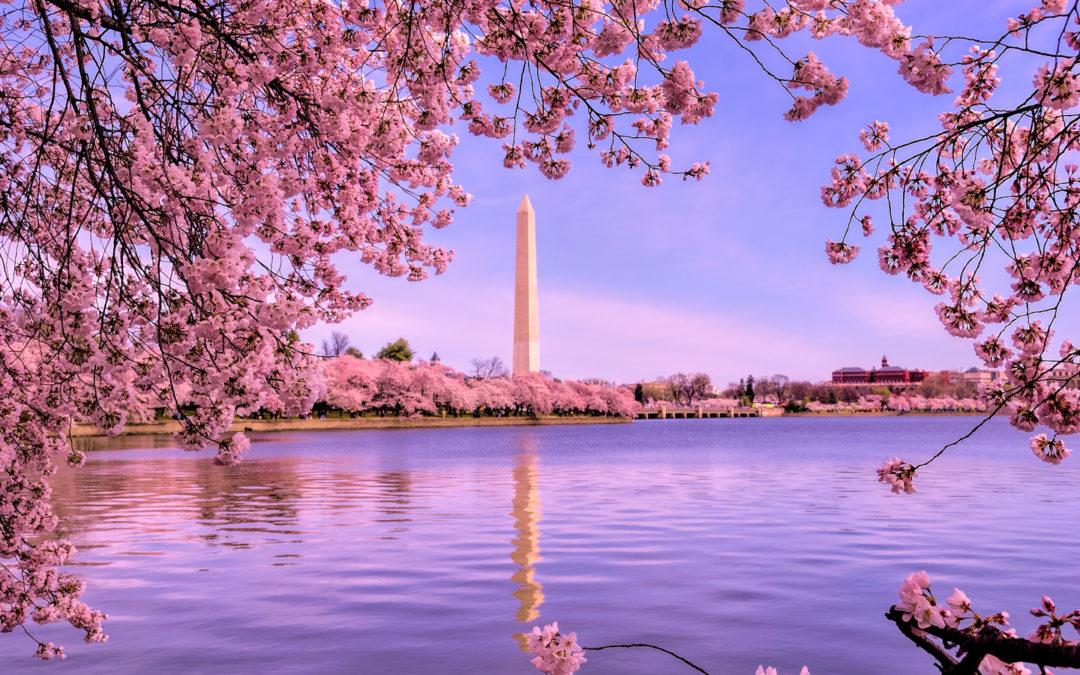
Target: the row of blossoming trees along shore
pixel 389 387
pixel 393 387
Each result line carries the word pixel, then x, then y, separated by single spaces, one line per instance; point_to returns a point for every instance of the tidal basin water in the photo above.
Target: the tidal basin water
pixel 732 542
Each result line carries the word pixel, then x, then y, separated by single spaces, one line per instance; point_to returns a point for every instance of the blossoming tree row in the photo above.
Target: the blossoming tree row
pixel 396 388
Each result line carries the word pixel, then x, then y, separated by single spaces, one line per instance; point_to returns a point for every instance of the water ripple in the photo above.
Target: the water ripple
pixel 734 542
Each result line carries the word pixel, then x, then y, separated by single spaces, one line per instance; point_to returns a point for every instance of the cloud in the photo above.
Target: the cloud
pixel 588 335
pixel 457 319
pixel 834 320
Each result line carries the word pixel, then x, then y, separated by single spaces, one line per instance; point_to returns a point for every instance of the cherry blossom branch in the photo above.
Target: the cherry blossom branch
pixel 985 644
pixel 987 640
pixel 648 646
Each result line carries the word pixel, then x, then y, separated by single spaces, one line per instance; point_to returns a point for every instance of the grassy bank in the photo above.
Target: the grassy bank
pixel 885 413
pixel 354 423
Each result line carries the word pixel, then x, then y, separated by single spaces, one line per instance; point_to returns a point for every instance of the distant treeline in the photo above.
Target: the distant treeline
pixel 691 388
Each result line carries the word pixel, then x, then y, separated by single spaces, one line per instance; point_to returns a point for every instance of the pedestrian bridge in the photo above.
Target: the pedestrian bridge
pixel 688 412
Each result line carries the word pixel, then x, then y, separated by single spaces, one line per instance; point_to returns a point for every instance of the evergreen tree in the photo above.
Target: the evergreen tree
pixel 398 350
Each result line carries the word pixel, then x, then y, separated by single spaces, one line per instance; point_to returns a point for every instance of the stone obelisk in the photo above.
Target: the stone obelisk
pixel 526 323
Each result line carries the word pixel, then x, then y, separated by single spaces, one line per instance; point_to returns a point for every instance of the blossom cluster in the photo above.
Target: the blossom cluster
pixel 1050 450
pixel 898 475
pixel 917 603
pixel 556 654
pixel 769 670
pixel 919 607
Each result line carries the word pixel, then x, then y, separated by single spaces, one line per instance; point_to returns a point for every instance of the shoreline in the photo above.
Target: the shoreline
pixel 167 427
pixel 887 413
pixel 353 424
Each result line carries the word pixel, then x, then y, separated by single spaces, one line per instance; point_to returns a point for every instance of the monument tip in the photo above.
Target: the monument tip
pixel 526 205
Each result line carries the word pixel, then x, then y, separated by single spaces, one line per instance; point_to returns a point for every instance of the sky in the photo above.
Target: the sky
pixel 726 276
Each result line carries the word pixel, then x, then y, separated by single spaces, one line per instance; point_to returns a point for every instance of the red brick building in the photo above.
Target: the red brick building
pixel 885 375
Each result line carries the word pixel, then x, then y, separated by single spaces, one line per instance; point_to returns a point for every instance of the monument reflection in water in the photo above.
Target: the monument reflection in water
pixel 526 553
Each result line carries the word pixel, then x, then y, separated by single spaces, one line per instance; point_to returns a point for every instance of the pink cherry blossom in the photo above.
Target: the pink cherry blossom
pixel 992 665
pixel 898 475
pixel 556 654
pixel 839 252
pixel 1057 86
pixel 874 136
pixel 1050 450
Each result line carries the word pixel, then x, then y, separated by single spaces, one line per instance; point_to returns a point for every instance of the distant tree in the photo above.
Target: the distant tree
pixel 336 345
pixel 353 351
pixel 639 393
pixel 485 368
pixel 398 350
pixel 774 386
pixel 685 388
pixel 884 392
pixel 678 387
pixel 654 391
pixel 780 382
pixel 700 384
pixel 795 406
pixel 749 391
pixel 600 382
pixel 847 394
pixel 934 386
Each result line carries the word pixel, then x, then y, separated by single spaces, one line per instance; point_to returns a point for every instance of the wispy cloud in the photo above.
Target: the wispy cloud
pixel 592 331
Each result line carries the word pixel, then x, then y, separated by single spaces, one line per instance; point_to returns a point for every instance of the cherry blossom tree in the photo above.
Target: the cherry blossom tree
pixel 495 395
pixel 531 394
pixel 178 180
pixel 460 398
pixel 350 382
pixel 565 400
pixel 429 382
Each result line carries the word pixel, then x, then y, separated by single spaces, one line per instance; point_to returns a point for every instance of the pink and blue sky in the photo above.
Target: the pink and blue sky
pixel 727 276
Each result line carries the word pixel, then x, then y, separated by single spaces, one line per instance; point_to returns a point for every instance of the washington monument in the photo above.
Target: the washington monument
pixel 526 323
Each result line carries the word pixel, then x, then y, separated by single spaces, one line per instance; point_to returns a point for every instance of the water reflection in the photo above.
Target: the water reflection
pixel 328 548
pixel 526 553
pixel 395 493
pixel 125 442
pixel 169 499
